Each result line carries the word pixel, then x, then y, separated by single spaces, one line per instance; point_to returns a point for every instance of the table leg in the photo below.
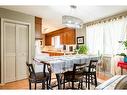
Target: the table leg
pixel 59 79
pixel 121 71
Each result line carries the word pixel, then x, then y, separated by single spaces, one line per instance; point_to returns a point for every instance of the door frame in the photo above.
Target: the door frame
pixel 2 44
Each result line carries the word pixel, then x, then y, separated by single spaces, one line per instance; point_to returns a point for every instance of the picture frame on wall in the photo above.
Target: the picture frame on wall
pixel 80 40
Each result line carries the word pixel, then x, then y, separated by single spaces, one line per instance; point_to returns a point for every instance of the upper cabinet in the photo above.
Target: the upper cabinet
pixel 48 40
pixel 38 28
pixel 67 36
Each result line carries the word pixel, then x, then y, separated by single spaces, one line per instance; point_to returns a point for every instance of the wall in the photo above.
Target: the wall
pixel 13 15
pixel 81 32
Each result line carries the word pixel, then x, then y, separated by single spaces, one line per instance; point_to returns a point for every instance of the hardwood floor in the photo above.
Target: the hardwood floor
pixel 23 84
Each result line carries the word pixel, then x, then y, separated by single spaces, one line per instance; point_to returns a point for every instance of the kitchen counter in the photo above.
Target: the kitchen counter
pixel 58 53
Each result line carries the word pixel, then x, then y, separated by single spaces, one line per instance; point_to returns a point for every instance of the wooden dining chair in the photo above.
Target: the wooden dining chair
pixel 74 76
pixel 37 77
pixel 90 73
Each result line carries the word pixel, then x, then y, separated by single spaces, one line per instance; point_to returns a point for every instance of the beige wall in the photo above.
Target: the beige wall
pixel 81 32
pixel 13 15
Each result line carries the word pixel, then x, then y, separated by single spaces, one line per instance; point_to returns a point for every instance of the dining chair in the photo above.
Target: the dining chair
pixel 90 73
pixel 37 77
pixel 74 76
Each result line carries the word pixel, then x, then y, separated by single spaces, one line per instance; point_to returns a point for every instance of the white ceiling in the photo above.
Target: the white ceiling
pixel 52 15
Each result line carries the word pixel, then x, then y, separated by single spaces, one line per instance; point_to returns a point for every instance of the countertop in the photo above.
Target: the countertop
pixel 68 52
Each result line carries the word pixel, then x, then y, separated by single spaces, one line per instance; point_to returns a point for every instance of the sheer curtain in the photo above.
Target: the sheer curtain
pixel 94 38
pixel 104 38
pixel 114 32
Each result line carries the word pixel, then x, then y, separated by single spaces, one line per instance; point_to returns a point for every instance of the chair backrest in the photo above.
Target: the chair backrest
pixel 78 69
pixel 45 65
pixel 30 69
pixel 48 67
pixel 92 65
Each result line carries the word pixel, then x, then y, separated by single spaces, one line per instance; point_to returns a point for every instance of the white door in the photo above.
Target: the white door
pixel 21 51
pixel 9 51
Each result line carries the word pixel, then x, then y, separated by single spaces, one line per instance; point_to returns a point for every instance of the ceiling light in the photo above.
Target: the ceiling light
pixel 72 21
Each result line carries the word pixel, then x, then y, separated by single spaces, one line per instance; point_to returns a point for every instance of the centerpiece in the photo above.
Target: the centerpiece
pixel 82 49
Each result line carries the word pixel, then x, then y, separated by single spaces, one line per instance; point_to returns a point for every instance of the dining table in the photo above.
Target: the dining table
pixel 61 64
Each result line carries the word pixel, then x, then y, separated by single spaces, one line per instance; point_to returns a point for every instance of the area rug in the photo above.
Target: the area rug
pixel 68 86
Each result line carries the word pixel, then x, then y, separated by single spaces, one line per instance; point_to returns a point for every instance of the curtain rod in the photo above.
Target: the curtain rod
pixel 109 18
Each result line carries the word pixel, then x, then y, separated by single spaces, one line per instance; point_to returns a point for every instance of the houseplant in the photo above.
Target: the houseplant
pixel 83 49
pixel 124 54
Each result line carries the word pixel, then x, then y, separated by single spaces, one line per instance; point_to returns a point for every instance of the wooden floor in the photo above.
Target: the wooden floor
pixel 23 84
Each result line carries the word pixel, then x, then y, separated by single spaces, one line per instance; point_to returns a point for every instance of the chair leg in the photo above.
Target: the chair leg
pixel 35 85
pixel 43 85
pixel 95 80
pixel 64 84
pixel 47 83
pixel 72 84
pixel 29 85
pixel 81 84
pixel 88 81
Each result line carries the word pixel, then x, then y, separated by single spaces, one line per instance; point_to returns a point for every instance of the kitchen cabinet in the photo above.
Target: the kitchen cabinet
pixel 62 38
pixel 48 40
pixel 38 28
pixel 67 36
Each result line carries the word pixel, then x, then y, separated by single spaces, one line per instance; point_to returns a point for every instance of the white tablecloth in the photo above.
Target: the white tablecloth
pixel 60 64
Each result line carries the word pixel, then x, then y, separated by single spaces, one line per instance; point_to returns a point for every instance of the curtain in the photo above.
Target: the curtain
pixel 114 32
pixel 103 38
pixel 94 39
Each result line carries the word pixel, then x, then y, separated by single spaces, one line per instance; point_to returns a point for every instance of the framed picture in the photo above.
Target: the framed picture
pixel 80 40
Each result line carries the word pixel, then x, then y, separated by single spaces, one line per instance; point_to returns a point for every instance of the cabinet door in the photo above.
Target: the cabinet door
pixel 9 51
pixel 71 37
pixel 48 40
pixel 38 28
pixel 68 37
pixel 21 51
pixel 38 31
pixel 62 38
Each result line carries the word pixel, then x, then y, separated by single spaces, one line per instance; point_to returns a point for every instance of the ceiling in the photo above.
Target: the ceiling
pixel 52 15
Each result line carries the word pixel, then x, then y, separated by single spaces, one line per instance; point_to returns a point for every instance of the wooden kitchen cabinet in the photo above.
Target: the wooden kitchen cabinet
pixel 70 38
pixel 63 38
pixel 38 28
pixel 67 36
pixel 48 40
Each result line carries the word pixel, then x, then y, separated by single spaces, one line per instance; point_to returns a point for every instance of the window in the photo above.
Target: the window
pixel 56 41
pixel 104 37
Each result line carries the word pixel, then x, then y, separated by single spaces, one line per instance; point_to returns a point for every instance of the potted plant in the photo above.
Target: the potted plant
pixel 124 54
pixel 83 49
